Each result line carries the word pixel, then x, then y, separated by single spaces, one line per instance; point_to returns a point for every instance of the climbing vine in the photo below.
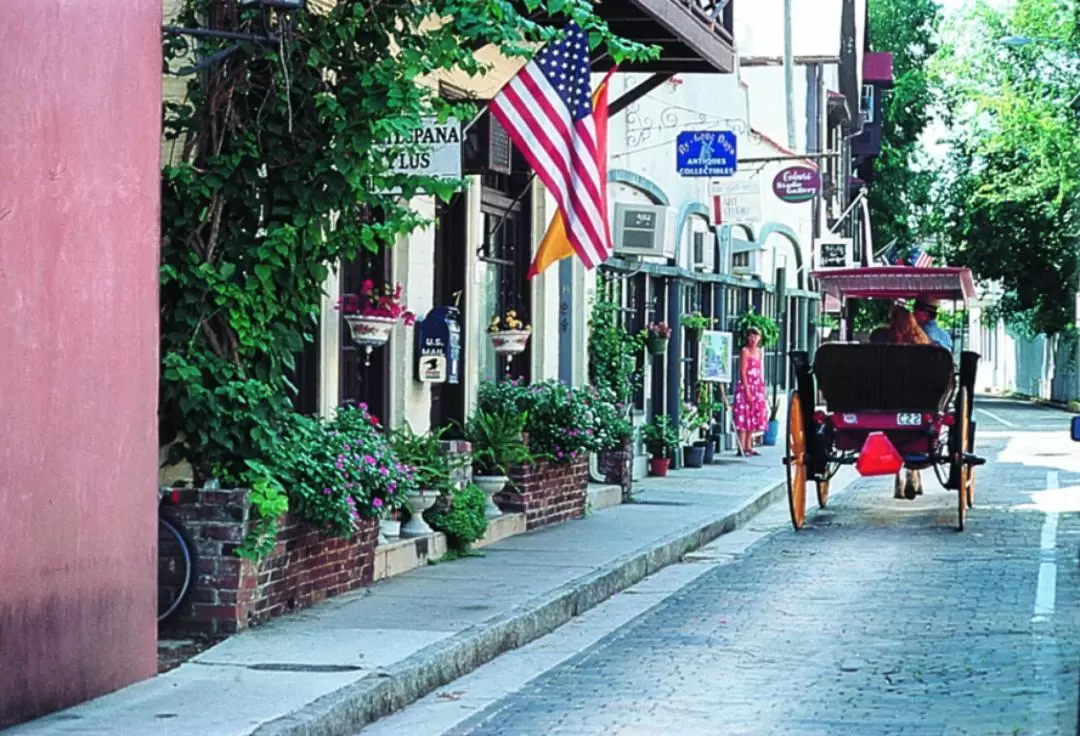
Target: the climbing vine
pixel 277 169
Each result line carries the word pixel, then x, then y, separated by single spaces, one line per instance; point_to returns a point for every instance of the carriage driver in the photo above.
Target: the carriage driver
pixel 926 308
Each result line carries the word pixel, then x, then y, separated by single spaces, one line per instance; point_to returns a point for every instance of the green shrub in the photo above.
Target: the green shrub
pixel 462 519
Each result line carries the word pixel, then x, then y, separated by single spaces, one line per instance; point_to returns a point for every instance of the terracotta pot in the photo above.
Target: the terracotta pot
pixel 658 466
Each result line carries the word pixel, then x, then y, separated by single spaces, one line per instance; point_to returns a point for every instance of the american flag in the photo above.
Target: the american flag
pixel 547 111
pixel 919 258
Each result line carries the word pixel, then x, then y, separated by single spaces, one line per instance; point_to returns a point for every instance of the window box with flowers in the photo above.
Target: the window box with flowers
pixel 656 337
pixel 372 314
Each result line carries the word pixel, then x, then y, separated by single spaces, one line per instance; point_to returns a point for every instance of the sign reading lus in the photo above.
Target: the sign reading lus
pixel 796 184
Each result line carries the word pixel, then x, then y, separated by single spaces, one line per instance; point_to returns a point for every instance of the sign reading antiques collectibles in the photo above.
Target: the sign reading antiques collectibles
pixel 796 184
pixel 715 363
pixel 438 347
pixel 835 252
pixel 435 150
pixel 706 153
pixel 736 201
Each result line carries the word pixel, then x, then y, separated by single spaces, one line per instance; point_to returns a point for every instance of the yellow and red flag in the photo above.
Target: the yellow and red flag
pixel 556 244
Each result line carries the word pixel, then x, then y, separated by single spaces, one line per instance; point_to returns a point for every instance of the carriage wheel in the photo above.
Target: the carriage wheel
pixel 965 493
pixel 796 462
pixel 822 493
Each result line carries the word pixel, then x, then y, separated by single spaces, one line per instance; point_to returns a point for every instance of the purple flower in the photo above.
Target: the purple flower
pixel 384 472
pixel 326 491
pixel 369 460
pixel 376 502
pixel 392 485
pixel 347 447
pixel 351 501
pixel 362 406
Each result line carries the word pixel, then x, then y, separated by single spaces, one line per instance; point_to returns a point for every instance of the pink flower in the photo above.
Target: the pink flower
pixel 367 286
pixel 384 472
pixel 369 460
pixel 376 502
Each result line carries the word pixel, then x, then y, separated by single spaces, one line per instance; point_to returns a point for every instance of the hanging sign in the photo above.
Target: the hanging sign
pixel 434 150
pixel 706 153
pixel 796 184
pixel 736 201
pixel 834 252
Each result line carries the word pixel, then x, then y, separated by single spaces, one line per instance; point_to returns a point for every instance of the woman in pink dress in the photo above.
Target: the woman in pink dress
pixel 751 412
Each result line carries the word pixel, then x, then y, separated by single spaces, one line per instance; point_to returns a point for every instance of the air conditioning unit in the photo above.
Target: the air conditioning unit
pixel 643 230
pixel 703 252
pixel 747 261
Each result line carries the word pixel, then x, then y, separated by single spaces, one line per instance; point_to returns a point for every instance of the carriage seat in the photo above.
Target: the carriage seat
pixel 861 377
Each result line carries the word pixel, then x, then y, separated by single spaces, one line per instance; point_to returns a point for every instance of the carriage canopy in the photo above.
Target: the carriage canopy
pixel 896 282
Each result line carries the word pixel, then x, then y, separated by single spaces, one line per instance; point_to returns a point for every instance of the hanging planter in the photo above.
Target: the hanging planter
pixel 372 314
pixel 509 342
pixel 696 323
pixel 656 338
pixel 509 336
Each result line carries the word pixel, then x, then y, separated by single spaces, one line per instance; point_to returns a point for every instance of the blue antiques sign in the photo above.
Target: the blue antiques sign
pixel 438 347
pixel 706 153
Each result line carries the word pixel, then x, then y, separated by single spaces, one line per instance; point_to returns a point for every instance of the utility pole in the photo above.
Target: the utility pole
pixel 789 77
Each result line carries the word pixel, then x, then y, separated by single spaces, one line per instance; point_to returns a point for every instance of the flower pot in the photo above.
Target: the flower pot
pixel 509 341
pixel 656 345
pixel 710 451
pixel 770 433
pixel 370 331
pixel 390 528
pixel 694 334
pixel 419 502
pixel 658 466
pixel 490 485
pixel 693 457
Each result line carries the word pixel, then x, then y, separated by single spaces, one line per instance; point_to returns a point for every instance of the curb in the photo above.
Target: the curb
pixel 345 711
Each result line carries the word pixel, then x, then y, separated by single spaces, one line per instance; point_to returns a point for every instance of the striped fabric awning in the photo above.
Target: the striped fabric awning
pixel 895 282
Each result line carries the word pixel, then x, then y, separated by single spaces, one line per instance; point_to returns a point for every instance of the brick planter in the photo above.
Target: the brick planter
pixel 547 493
pixel 305 567
pixel 615 466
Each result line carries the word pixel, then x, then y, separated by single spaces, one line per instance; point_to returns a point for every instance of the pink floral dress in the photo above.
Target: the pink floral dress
pixel 751 415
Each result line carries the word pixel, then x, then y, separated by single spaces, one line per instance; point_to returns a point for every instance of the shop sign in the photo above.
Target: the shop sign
pixel 434 150
pixel 834 252
pixel 706 153
pixel 438 347
pixel 736 201
pixel 796 184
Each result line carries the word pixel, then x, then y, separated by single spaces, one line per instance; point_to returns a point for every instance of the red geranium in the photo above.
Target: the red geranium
pixel 375 302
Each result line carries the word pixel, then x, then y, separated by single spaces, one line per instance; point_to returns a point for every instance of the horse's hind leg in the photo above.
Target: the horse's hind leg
pixel 910 484
pixel 898 486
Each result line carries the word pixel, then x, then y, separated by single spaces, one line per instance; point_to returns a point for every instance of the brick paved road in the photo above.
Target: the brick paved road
pixel 878 618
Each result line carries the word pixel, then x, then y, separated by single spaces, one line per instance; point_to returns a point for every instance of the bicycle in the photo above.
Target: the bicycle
pixel 177 561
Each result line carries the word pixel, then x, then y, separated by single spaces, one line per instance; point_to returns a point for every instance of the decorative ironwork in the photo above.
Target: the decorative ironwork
pixel 639 128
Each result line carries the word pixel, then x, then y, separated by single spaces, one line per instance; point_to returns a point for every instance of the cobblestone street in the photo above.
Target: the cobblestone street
pixel 877 618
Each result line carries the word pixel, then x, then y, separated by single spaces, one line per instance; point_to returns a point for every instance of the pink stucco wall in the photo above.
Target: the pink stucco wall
pixel 80 95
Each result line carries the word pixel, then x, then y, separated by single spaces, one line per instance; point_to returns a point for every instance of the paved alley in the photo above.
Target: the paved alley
pixel 877 618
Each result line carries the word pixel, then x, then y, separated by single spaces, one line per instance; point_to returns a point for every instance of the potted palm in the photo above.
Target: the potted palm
pixel 497 444
pixel 661 440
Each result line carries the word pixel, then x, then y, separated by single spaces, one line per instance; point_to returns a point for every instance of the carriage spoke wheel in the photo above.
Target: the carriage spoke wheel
pixel 796 462
pixel 966 493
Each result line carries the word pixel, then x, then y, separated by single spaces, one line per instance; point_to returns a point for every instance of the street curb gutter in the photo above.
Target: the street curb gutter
pixel 345 711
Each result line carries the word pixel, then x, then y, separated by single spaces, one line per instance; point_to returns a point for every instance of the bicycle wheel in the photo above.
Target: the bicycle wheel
pixel 176 567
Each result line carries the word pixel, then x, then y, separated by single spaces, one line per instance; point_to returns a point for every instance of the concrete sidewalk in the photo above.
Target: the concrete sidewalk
pixel 335 667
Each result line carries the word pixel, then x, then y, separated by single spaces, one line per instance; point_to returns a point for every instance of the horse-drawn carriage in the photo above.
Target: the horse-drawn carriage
pixel 883 407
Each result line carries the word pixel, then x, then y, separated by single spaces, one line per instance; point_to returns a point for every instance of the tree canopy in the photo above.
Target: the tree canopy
pixel 1007 190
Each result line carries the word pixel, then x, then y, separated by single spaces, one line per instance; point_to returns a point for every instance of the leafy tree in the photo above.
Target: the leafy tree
pixel 1008 188
pixel 277 171
pixel 901 189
